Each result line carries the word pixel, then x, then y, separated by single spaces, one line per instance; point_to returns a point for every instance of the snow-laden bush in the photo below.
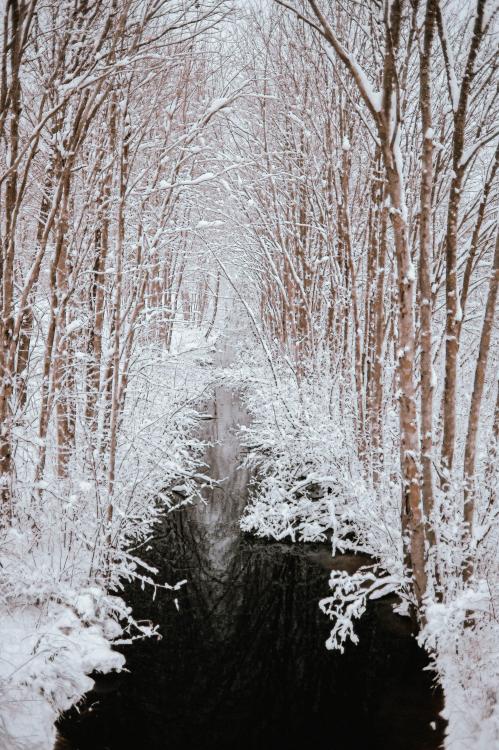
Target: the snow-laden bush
pixel 462 634
pixel 46 657
pixel 301 456
pixel 461 629
pixel 311 485
pixel 86 527
pixel 73 541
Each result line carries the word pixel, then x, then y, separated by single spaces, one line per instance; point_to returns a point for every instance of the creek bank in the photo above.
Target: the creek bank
pixel 242 660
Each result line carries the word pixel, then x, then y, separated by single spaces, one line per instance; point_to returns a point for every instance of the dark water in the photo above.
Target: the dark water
pixel 242 664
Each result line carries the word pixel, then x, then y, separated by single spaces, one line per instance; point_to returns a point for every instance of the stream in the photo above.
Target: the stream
pixel 242 662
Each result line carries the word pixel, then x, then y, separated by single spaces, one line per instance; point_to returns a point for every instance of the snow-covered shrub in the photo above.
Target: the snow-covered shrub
pixel 301 444
pixel 311 485
pixel 73 540
pixel 462 635
pixel 47 654
pixel 91 528
pixel 461 629
pixel 302 454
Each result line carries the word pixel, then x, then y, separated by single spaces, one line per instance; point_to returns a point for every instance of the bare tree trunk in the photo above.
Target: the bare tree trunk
pixel 344 234
pixel 215 307
pixel 376 407
pixel 453 309
pixel 115 381
pixel 425 270
pixel 476 402
pixel 13 50
pixel 56 309
pixel 475 238
pixel 99 289
pixel 492 456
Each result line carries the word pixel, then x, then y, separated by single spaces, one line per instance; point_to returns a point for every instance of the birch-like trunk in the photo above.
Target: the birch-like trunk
pixel 425 270
pixel 476 402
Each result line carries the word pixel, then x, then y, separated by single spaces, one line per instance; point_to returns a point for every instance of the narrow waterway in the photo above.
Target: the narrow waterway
pixel 242 663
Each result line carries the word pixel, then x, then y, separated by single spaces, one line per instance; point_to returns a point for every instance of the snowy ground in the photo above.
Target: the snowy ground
pixel 47 653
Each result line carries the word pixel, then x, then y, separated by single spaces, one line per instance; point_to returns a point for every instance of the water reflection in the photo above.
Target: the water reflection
pixel 242 663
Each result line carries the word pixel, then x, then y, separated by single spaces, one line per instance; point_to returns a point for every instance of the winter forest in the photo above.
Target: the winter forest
pixel 249 396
